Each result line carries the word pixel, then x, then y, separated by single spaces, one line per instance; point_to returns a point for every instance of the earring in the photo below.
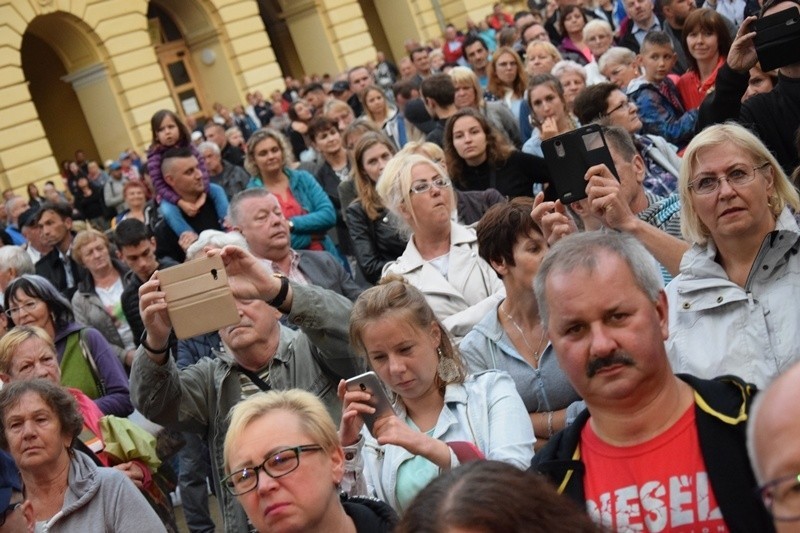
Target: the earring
pixel 447 370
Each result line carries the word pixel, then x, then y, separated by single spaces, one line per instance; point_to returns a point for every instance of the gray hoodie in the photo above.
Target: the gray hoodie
pixel 101 499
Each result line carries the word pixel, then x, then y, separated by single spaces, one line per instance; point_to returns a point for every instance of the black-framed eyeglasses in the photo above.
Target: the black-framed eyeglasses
pixel 8 510
pixel 278 464
pixel 28 307
pixel 781 497
pixel 737 176
pixel 626 105
pixel 419 187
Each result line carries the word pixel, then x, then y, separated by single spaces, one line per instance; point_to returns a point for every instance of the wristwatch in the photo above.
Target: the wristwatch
pixel 284 290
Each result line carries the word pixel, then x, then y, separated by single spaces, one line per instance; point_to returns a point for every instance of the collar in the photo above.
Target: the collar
pixel 411 258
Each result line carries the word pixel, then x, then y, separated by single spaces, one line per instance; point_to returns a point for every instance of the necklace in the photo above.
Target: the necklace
pixel 524 338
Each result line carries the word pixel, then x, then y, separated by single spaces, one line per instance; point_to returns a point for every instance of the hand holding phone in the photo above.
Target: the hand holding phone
pixel 369 383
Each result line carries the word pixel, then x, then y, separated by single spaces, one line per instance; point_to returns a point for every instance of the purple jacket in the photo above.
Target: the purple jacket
pixel 163 190
pixel 117 400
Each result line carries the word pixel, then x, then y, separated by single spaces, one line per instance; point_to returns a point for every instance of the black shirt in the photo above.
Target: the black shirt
pixel 166 240
pixel 514 177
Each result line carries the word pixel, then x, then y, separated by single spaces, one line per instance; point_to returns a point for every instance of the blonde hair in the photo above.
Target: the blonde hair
pixel 15 337
pixel 547 46
pixel 783 195
pixel 394 186
pixel 85 237
pixel 309 410
pixel 465 76
pixel 261 135
pixel 393 295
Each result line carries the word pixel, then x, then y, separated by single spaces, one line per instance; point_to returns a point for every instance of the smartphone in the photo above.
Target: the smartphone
pixel 369 382
pixel 777 39
pixel 199 299
pixel 570 155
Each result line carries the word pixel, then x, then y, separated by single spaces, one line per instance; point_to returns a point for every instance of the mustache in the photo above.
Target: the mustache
pixel 619 357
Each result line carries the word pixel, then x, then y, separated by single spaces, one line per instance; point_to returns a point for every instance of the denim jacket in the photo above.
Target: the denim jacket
pixel 485 410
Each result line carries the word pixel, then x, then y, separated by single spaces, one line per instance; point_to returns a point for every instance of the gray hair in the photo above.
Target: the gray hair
pixel 583 250
pixel 616 55
pixel 214 239
pixel 16 258
pixel 597 24
pixel 567 66
pixel 234 211
pixel 208 145
pixel 14 200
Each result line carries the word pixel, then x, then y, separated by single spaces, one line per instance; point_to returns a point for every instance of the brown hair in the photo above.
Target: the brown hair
pixel 500 228
pixel 393 295
pixel 706 19
pixel 492 496
pixel 56 397
pixel 365 187
pixel 498 149
pixel 496 87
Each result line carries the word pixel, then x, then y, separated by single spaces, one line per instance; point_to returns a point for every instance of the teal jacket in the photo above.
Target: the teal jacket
pixel 320 217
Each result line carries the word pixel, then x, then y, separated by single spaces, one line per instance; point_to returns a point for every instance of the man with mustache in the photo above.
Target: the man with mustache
pixel 653 451
pixel 259 354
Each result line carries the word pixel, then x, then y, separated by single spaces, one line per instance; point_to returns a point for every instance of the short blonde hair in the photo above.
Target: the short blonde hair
pixel 783 195
pixel 547 46
pixel 465 76
pixel 394 186
pixel 310 411
pixel 85 237
pixel 15 337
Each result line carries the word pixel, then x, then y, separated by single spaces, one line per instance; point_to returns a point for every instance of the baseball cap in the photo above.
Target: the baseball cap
pixel 124 155
pixel 340 87
pixel 9 479
pixel 416 114
pixel 114 165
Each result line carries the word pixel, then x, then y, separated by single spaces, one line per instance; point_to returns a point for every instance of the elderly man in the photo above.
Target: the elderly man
pixel 14 262
pixel 15 206
pixel 114 188
pixel 256 214
pixel 653 451
pixel 228 176
pixel 181 171
pixel 259 354
pixel 771 442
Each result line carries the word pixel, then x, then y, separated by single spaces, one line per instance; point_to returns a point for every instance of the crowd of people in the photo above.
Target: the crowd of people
pixel 590 366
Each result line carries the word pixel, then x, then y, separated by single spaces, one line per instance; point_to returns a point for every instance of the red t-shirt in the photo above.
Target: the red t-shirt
pixel 659 485
pixel 292 208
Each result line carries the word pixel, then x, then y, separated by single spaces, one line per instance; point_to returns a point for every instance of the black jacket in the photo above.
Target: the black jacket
pixel 329 181
pixel 721 408
pixel 473 204
pixel 370 515
pixel 51 267
pixel 514 177
pixel 375 242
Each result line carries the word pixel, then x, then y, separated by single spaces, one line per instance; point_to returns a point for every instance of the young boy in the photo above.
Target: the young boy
pixel 656 96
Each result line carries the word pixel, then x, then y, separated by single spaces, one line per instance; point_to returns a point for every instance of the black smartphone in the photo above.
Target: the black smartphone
pixel 370 382
pixel 570 155
pixel 777 39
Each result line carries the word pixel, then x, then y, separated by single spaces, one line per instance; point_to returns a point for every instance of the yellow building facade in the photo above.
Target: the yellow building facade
pixel 89 74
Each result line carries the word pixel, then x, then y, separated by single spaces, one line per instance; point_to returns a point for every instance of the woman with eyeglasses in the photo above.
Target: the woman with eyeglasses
pixel 607 105
pixel 441 257
pixel 86 359
pixel 441 416
pixel 599 37
pixel 40 425
pixel 285 466
pixel 479 158
pixel 732 308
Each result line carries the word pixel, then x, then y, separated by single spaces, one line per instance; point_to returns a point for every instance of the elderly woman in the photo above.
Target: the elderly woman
pixel 470 94
pixel 86 360
pixel 302 199
pixel 39 422
pixel 97 303
pixel 619 65
pixel 511 337
pixel 440 258
pixel 731 306
pixel 376 240
pixel 540 57
pixel 478 158
pixel 606 104
pixel 438 410
pixel 599 37
pixel 135 195
pixel 27 352
pixel 289 437
pixel 573 79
